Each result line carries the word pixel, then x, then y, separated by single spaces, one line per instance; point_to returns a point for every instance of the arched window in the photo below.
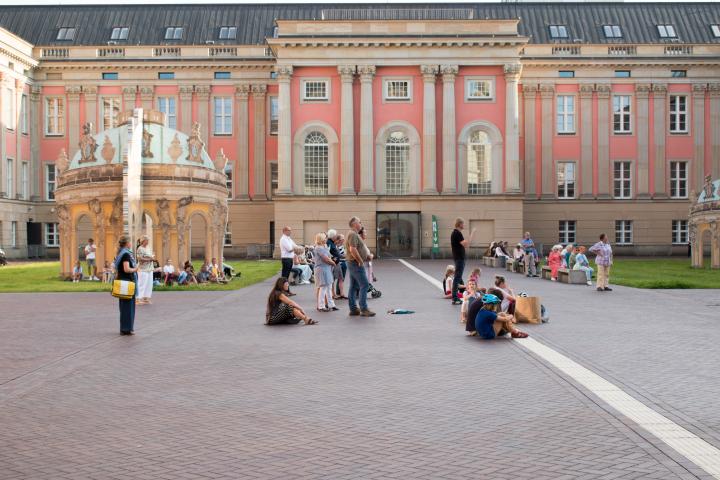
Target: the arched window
pixel 316 164
pixel 479 164
pixel 397 159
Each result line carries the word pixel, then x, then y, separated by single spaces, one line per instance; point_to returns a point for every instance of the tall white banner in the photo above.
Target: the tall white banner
pixel 132 177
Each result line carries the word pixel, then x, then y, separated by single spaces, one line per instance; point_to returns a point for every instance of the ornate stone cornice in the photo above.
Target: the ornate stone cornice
pixel 714 89
pixel 699 89
pixel 73 92
pixel 512 70
pixel 529 91
pixel 586 90
pixel 449 72
pixel 429 73
pixel 547 90
pixel 642 90
pixel 185 92
pixel 90 92
pixel 603 90
pixel 147 92
pixel 659 89
pixel 347 72
pixel 202 92
pixel 284 72
pixel 242 91
pixel 366 72
pixel 259 90
pixel 129 90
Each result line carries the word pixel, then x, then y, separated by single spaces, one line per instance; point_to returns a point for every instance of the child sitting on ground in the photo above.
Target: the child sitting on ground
pixel 107 273
pixel 471 294
pixel 77 273
pixel 490 322
pixel 448 280
pixel 555 262
pixel 475 276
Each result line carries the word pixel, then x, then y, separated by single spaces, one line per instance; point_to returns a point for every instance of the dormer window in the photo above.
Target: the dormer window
pixel 715 30
pixel 174 33
pixel 612 31
pixel 558 31
pixel 119 33
pixel 666 31
pixel 228 33
pixel 66 33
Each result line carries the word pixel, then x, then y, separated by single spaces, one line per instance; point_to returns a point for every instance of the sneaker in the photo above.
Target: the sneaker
pixel 354 312
pixel 96 279
pixel 589 284
pixel 457 302
pixel 607 289
pixel 553 279
pixel 367 313
pixel 600 289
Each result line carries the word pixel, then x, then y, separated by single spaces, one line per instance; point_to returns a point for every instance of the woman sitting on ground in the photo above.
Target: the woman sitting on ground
pixel 470 295
pixel 490 322
pixel 281 310
pixel 555 262
pixel 448 280
pixel 582 263
pixel 508 295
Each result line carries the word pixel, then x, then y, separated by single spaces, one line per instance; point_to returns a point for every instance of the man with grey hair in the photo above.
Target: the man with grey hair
pixel 357 255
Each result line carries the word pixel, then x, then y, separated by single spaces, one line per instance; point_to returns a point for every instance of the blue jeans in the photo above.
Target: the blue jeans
pixel 457 280
pixel 358 286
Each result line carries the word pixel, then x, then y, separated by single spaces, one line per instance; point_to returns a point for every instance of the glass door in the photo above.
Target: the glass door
pixel 398 235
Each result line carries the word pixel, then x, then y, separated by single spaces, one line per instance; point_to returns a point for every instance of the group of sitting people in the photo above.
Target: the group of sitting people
pixel 210 272
pixel 571 257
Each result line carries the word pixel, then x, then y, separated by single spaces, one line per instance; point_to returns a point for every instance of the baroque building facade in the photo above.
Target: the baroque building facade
pixel 563 120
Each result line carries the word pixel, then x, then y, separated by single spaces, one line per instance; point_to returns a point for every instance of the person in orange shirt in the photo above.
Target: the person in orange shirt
pixel 554 261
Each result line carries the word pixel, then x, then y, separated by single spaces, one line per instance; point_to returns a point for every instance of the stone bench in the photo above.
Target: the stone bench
pixel 545 272
pixel 487 261
pixel 572 276
pixel 498 262
pixel 510 267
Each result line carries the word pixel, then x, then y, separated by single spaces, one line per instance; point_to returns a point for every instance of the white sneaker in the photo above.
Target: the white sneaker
pixel 589 284
pixel 96 279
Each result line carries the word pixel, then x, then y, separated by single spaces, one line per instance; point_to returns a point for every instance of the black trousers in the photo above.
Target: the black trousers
pixel 287 265
pixel 127 315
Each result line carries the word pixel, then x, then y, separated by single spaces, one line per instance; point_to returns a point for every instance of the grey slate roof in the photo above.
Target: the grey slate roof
pixel 94 23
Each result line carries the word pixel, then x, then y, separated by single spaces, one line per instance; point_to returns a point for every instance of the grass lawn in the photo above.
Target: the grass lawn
pixel 43 277
pixel 662 273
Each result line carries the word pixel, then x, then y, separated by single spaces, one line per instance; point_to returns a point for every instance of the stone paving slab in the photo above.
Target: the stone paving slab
pixel 206 391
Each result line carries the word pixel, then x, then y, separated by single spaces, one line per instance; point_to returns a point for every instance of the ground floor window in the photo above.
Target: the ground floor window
pixel 228 235
pixel 624 232
pixel 679 232
pixel 52 237
pixel 566 231
pixel 13 234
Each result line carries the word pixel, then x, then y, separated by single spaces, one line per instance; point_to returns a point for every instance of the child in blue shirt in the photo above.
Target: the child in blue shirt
pixel 490 322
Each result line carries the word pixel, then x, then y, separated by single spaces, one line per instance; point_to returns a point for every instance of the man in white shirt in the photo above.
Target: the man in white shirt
pixel 169 272
pixel 287 252
pixel 90 249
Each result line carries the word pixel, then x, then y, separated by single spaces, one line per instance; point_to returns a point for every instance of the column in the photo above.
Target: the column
pixel 714 92
pixel 429 74
pixel 19 89
pixel 698 113
pixel 512 128
pixel 90 96
pixel 241 170
pixel 603 148
pixel 547 94
pixel 128 97
pixel 586 141
pixel 367 184
pixel 72 128
pixel 258 93
pixel 202 94
pixel 3 147
pixel 529 94
pixel 642 95
pixel 284 73
pixel 660 118
pixel 35 125
pixel 147 93
pixel 449 72
pixel 185 93
pixel 347 129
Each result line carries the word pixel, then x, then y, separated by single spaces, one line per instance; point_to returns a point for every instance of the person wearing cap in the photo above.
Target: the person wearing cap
pixel 490 322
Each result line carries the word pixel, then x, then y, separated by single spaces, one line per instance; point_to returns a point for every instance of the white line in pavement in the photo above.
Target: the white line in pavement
pixel 689 445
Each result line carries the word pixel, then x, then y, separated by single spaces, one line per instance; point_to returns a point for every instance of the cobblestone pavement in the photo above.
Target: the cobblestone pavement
pixel 205 390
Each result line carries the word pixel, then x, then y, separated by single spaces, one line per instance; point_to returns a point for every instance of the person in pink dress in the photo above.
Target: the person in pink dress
pixel 555 262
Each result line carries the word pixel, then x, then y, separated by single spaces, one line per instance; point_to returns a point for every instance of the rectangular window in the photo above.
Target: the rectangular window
pixel 566 179
pixel 566 73
pixel 229 179
pixel 23 114
pixel 166 105
pixel 566 231
pixel 612 31
pixel 110 112
pixel 119 33
pixel 228 235
pixel 622 73
pixel 623 232
pixel 397 90
pixel 9 178
pixel 478 89
pixel 678 73
pixel 274 115
pixel 678 114
pixel 621 114
pixel 565 114
pixel 66 33
pixel 54 116
pixel 715 30
pixel 678 180
pixel 622 180
pixel 13 234
pixel 227 33
pixel 50 181
pixel 666 31
pixel 109 76
pixel 173 33
pixel 558 31
pixel 52 235
pixel 10 110
pixel 24 180
pixel 222 75
pixel 166 75
pixel 679 232
pixel 273 178
pixel 315 90
pixel 223 116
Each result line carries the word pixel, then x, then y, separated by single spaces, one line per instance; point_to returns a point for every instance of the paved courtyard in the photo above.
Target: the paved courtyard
pixel 205 390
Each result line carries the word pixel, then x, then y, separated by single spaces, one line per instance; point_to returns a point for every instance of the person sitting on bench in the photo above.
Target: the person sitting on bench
pixel 582 263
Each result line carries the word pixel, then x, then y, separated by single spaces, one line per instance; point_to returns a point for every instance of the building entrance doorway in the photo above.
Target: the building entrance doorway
pixel 398 234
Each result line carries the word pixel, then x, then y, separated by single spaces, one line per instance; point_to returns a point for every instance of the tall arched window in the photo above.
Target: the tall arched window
pixel 479 164
pixel 316 164
pixel 397 159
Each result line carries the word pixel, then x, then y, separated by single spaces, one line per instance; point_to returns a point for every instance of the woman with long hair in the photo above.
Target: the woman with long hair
pixel 126 269
pixel 281 310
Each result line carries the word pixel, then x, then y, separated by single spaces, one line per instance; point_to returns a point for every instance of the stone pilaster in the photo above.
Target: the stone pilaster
pixel 35 125
pixel 259 92
pixel 512 129
pixel 185 93
pixel 367 179
pixel 586 141
pixel 529 95
pixel 347 129
pixel 241 166
pixel 429 74
pixel 129 92
pixel 659 130
pixel 72 128
pixel 284 73
pixel 202 94
pixel 603 147
pixel 3 146
pixel 90 96
pixel 642 96
pixel 147 94
pixel 549 176
pixel 449 73
pixel 698 115
pixel 714 92
pixel 19 88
